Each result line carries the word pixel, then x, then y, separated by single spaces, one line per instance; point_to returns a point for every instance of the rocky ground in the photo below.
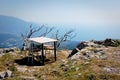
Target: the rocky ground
pixel 90 60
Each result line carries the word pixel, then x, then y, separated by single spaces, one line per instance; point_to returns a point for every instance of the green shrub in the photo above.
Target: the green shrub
pixel 7 58
pixel 108 77
pixel 117 43
pixel 12 68
pixel 91 76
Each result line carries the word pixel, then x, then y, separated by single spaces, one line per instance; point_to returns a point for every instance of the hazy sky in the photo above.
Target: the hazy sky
pixel 91 12
pixel 94 18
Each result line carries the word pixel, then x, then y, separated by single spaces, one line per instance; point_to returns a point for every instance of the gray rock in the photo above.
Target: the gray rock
pixel 109 42
pixel 117 52
pixel 43 77
pixel 97 50
pixel 78 75
pixel 28 78
pixel 90 49
pixel 5 74
pixel 2 75
pixel 76 56
pixel 64 61
pixel 83 45
pixel 1 51
pixel 13 49
pixel 77 68
pixel 74 62
pixel 8 73
pixel 103 57
pixel 112 70
pixel 107 69
pixel 22 68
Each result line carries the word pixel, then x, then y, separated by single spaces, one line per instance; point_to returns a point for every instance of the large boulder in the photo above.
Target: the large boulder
pixel 83 45
pixel 87 54
pixel 5 74
pixel 90 49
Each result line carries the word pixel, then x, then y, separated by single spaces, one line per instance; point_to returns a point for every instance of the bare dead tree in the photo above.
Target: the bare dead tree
pixel 47 31
pixel 60 38
pixel 33 30
pixel 65 37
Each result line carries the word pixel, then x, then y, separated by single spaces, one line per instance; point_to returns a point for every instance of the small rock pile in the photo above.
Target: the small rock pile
pixel 90 49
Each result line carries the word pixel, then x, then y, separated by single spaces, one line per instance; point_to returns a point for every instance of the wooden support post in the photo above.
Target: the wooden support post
pixel 42 53
pixel 55 51
pixel 32 53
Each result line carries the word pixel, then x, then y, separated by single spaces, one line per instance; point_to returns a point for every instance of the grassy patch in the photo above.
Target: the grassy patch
pixel 117 43
pixel 6 60
pixel 62 70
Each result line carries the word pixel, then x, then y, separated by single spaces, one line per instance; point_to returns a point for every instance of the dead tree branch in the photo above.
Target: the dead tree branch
pixel 32 31
pixel 47 31
pixel 65 37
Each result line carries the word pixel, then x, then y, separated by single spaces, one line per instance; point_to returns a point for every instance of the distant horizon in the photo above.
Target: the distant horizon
pixel 91 19
pixel 85 32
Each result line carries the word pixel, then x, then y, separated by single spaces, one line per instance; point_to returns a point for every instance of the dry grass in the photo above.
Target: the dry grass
pixel 72 70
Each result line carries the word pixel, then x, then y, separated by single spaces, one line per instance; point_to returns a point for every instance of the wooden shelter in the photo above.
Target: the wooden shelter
pixel 42 41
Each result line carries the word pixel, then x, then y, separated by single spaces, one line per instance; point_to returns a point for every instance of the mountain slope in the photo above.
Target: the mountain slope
pixel 10 30
pixel 9 40
pixel 12 24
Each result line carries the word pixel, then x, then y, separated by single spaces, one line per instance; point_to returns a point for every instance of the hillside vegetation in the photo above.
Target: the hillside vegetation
pixel 64 68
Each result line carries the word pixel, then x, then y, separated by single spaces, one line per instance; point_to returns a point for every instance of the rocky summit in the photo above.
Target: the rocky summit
pixel 92 49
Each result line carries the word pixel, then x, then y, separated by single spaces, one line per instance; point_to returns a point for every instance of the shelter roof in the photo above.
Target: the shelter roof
pixel 42 40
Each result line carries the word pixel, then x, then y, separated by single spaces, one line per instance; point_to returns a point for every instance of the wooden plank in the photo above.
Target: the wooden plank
pixel 32 53
pixel 43 54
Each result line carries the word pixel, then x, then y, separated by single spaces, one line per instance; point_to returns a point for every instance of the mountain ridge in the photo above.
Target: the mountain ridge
pixel 11 29
pixel 12 25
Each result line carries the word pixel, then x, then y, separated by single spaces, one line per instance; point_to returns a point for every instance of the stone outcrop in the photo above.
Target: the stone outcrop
pixel 8 50
pixel 90 49
pixel 5 74
pixel 12 51
pixel 108 42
